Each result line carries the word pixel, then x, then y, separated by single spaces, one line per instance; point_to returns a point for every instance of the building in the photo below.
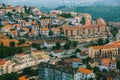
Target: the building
pixel 6 66
pixel 57 53
pixel 8 42
pixel 104 51
pixel 85 74
pixel 109 63
pixel 86 32
pixel 23 61
pixel 40 56
pixel 56 12
pixel 20 9
pixel 54 72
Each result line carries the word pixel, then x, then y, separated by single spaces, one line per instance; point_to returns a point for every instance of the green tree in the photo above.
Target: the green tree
pixel 82 21
pixel 57 45
pixel 114 31
pixel 21 41
pixel 67 46
pixel 9 76
pixel 107 41
pixel 100 41
pixel 1 26
pixel 9 14
pixel 75 44
pixel 51 33
pixel 12 44
pixel 77 50
pixel 118 64
pixel 14 10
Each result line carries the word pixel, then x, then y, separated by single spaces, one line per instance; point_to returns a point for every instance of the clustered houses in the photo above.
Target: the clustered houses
pixel 104 56
pixel 87 31
pixel 22 61
pixel 53 72
pixel 71 62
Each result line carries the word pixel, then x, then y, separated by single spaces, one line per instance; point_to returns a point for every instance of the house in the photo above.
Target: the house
pixel 23 78
pixel 56 12
pixel 19 9
pixel 57 53
pixel 6 66
pixel 45 31
pixel 35 11
pixel 70 62
pixel 82 54
pixel 23 61
pixel 51 43
pixel 9 9
pixel 40 56
pixel 56 31
pixel 85 74
pixel 109 63
pixel 2 12
pixel 76 62
pixel 93 63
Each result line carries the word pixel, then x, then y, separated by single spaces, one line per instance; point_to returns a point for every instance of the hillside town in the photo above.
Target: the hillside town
pixel 56 46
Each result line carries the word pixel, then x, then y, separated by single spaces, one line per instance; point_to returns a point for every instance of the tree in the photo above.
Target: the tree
pixel 67 46
pixel 107 41
pixel 21 41
pixel 61 31
pixel 77 50
pixel 100 41
pixel 9 76
pixel 1 26
pixel 83 21
pixel 57 45
pixel 9 14
pixel 118 64
pixel 74 44
pixel 14 10
pixel 12 44
pixel 51 33
pixel 114 31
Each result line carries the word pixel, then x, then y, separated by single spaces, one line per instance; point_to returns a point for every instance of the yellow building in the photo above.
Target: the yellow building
pixel 103 51
pixel 40 56
pixel 6 42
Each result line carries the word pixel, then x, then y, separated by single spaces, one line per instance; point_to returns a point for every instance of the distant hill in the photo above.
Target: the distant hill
pixel 109 13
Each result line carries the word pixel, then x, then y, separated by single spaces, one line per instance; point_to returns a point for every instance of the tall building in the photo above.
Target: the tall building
pixel 54 72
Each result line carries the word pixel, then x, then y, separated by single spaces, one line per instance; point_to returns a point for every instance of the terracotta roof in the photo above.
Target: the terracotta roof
pixel 45 29
pixel 76 59
pixel 23 78
pixel 85 71
pixel 56 29
pixel 21 54
pixel 58 51
pixel 24 45
pixel 26 29
pixel 2 62
pixel 103 47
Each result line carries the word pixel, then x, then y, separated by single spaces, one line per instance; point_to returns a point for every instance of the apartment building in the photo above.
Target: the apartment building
pixel 104 51
pixel 6 66
pixel 54 72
